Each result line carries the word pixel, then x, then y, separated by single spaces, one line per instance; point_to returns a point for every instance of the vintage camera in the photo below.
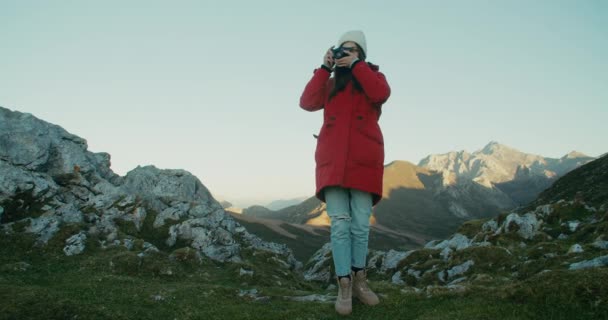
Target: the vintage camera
pixel 340 52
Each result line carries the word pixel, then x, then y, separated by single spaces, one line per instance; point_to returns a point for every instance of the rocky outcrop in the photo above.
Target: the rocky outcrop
pixel 511 247
pixel 49 180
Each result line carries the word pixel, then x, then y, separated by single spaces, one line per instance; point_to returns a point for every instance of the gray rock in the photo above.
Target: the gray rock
pixel 201 238
pixel 148 247
pixel 36 145
pixel 192 229
pixel 491 226
pixel 313 298
pixel 70 214
pixel 223 253
pixel 252 293
pixel 457 242
pixel 562 236
pixel 104 195
pixel 218 243
pixel 169 213
pixel 410 290
pixel 576 248
pixel 280 250
pixel 393 258
pixel 15 180
pixel 321 265
pixel 415 273
pixel 431 244
pixel 44 228
pixel 24 141
pixel 229 224
pixel 445 253
pixel 573 225
pixel 527 225
pixel 481 244
pixel 545 210
pixel 456 288
pixel 600 244
pixel 75 244
pixel 396 278
pixel 458 280
pixel 175 184
pixel 222 237
pixel 243 272
pixel 374 257
pixel 200 210
pixel 455 271
pixel 128 243
pixel 127 201
pixel 215 218
pixel 594 263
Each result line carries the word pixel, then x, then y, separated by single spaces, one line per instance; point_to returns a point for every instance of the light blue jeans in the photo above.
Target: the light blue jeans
pixel 349 211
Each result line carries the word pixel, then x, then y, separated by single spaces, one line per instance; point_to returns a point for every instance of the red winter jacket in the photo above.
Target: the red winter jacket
pixel 350 146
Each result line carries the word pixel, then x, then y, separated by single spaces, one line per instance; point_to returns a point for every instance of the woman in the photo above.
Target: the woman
pixel 349 157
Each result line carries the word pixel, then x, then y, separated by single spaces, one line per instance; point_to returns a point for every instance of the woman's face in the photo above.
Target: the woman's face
pixel 352 47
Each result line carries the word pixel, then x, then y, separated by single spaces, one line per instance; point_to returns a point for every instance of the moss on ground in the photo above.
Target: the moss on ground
pixel 486 259
pixel 471 227
pixel 20 206
pixel 86 286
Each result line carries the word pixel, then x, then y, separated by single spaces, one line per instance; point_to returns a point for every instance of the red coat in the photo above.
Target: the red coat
pixel 350 145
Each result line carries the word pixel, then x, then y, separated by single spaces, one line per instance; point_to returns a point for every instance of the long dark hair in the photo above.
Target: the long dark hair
pixel 342 76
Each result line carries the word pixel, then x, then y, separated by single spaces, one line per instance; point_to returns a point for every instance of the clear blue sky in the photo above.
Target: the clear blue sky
pixel 213 86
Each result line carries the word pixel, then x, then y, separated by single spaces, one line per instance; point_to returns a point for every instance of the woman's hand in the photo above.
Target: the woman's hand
pixel 328 59
pixel 347 60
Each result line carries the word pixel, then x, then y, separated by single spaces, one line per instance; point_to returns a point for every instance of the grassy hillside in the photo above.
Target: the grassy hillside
pixel 114 284
pixel 588 183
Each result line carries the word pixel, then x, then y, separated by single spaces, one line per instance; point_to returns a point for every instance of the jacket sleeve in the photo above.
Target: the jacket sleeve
pixel 315 92
pixel 373 82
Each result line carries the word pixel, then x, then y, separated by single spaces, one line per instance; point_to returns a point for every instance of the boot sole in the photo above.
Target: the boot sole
pixel 366 303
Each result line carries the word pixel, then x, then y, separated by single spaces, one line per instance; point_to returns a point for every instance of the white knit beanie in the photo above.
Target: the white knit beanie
pixel 355 36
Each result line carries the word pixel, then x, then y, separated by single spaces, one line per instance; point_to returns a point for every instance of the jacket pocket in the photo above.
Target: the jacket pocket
pixel 367 147
pixel 323 154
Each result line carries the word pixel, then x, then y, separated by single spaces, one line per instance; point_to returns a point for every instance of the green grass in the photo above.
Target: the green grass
pixel 20 206
pixel 116 284
pixel 472 227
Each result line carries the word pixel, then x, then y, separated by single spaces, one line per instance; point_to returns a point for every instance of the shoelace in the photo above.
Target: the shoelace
pixel 345 290
pixel 362 284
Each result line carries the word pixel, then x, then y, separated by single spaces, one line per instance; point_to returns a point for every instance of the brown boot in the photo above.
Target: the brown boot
pixel 361 290
pixel 344 301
